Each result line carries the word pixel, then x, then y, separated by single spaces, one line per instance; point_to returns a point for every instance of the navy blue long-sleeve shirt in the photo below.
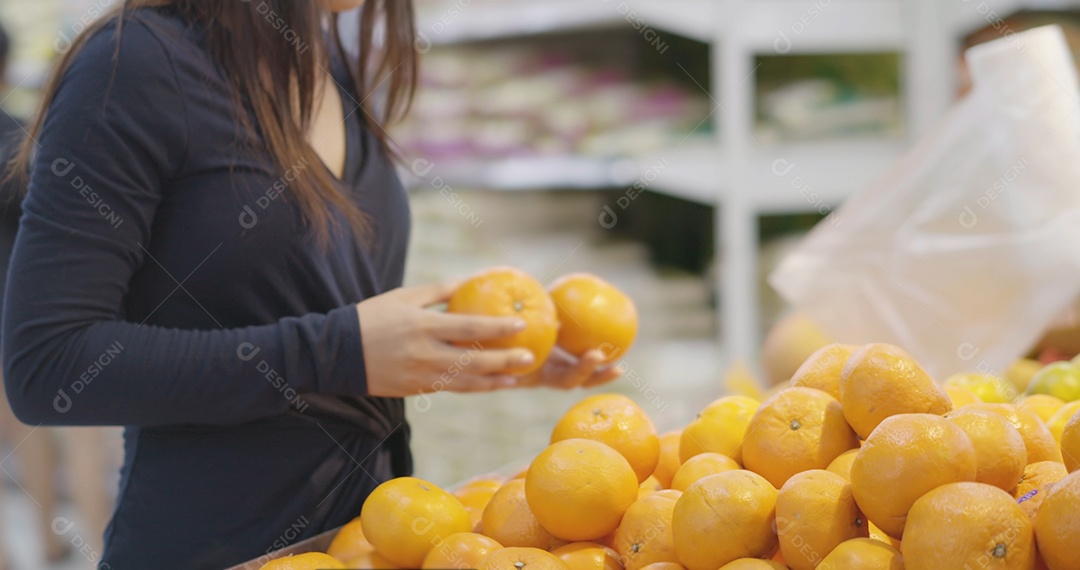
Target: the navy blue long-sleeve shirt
pixel 163 279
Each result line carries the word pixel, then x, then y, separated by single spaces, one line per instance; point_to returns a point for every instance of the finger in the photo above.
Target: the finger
pixel 481 361
pixel 603 376
pixel 573 376
pixel 470 383
pixel 431 294
pixel 459 328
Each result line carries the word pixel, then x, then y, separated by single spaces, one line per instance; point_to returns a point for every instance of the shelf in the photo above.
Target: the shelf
pixel 784 178
pixel 694 19
pixel 783 26
pixel 972 16
pixel 693 172
pixel 765 26
pixel 817 176
pixel 532 173
pixel 444 24
pixel 449 24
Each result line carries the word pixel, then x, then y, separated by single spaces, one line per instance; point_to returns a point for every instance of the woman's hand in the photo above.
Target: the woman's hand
pixel 563 370
pixel 407 348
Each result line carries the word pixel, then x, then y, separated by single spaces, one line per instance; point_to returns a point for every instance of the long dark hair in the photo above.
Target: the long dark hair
pixel 252 47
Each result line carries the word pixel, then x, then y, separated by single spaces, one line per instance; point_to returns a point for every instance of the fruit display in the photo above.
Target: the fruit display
pixel 860 461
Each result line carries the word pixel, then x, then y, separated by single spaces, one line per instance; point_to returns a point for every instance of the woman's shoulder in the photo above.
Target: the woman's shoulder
pixel 139 43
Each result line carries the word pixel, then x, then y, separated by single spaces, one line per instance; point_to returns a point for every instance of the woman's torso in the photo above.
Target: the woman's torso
pixel 229 249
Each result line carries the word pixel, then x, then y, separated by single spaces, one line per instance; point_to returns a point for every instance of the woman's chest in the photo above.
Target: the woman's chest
pixel 231 235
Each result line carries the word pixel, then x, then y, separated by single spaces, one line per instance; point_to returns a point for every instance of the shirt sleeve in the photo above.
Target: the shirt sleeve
pixel 113 136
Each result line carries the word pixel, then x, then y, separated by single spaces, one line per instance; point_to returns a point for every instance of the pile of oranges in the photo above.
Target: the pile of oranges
pixel 861 462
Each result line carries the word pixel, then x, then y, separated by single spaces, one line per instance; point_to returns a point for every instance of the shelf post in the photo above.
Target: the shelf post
pixel 736 216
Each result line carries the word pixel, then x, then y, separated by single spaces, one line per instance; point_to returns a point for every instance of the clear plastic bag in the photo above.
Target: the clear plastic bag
pixel 969 246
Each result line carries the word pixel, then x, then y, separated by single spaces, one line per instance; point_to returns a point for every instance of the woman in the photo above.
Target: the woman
pixel 209 254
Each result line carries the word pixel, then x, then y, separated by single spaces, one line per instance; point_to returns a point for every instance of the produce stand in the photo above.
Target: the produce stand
pixel 321 542
pixel 317 543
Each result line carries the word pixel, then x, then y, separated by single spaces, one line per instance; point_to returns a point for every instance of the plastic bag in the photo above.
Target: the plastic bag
pixel 969 246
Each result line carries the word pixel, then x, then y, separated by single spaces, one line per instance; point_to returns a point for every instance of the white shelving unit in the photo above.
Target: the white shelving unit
pixel 745 180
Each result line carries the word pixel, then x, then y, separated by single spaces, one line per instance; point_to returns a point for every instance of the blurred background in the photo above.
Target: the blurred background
pixel 676 148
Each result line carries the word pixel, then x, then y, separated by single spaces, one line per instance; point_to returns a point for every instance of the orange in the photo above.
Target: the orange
pixel 961 396
pixel 1039 442
pixel 986 387
pixel 1021 372
pixel 579 489
pixel 815 512
pixel 522 558
pixel 792 340
pixel 510 292
pixel 882 380
pixel 1037 481
pixel 822 370
pixel 369 560
pixel 644 535
pixel 617 421
pixel 475 495
pixel 1070 443
pixel 509 520
pixel 1042 405
pixel 753 564
pixel 664 566
pixel 308 561
pixel 700 466
pixel 588 556
pixel 842 464
pixel 1056 423
pixel 1000 454
pixel 1031 502
pixel 905 457
pixel 1057 525
pixel 462 550
pixel 404 517
pixel 739 506
pixel 594 315
pixel 491 482
pixel 878 534
pixel 863 554
pixel 968 525
pixel 719 428
pixel 649 485
pixel 668 463
pixel 796 430
pixel 349 542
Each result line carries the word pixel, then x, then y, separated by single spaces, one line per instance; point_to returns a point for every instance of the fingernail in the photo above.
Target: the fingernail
pixel 518 325
pixel 525 358
pixel 507 382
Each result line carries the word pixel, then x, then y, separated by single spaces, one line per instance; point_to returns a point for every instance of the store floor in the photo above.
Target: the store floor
pixel 672 369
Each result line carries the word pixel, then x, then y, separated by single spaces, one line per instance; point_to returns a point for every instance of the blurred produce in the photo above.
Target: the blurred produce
pixel 789 343
pixel 813 97
pixel 477 102
pixel 1060 379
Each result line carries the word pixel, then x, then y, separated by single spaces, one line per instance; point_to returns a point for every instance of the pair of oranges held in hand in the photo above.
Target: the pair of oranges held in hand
pixel 580 312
